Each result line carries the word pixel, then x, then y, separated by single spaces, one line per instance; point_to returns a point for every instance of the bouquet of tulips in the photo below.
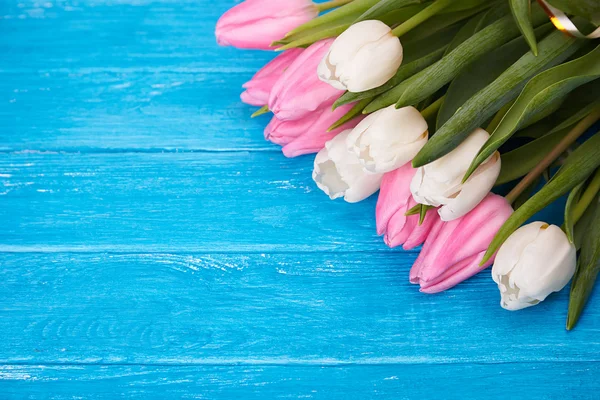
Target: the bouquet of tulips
pixel 435 103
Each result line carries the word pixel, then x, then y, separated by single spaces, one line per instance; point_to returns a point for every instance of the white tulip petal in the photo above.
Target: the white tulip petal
pixel 473 191
pixel 510 251
pixel 388 138
pixel 364 57
pixel 535 261
pixel 440 182
pixel 338 172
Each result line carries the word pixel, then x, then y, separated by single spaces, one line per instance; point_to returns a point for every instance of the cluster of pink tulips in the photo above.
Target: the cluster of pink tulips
pixel 432 193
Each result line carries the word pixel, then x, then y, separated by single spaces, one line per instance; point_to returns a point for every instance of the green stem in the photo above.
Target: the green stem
pixel 421 17
pixel 328 5
pixel 260 111
pixel 433 108
pixel 560 148
pixel 587 197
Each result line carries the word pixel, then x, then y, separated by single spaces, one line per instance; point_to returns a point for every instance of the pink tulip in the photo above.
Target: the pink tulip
pixel 259 87
pixel 309 134
pixel 255 24
pixel 453 250
pixel 299 91
pixel 395 199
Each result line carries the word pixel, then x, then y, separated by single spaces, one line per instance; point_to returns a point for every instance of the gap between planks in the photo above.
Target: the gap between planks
pixel 295 363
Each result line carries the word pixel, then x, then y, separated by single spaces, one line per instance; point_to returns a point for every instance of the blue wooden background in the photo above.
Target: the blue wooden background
pixel 152 244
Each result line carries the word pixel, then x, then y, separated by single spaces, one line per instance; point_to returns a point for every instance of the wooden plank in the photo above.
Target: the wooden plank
pixel 121 75
pixel 234 201
pixel 323 309
pixel 518 381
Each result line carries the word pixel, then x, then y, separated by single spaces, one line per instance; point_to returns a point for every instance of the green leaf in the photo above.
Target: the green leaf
pixel 481 73
pixel 577 105
pixel 589 9
pixel 260 111
pixel 354 112
pixel 336 27
pixel 413 211
pixel 572 201
pixel 385 6
pixel 484 41
pixel 464 5
pixel 307 40
pixel 519 162
pixel 431 79
pixel 443 21
pixel 423 213
pixel 544 89
pixel 578 167
pixel 418 55
pixel 582 227
pixel 554 49
pixel 521 10
pixel 350 11
pixel 465 32
pixel 492 15
pixel 587 270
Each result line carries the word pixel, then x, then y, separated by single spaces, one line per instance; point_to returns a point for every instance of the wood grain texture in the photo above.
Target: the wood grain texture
pixel 120 75
pixel 288 308
pixel 540 381
pixel 153 245
pixel 215 201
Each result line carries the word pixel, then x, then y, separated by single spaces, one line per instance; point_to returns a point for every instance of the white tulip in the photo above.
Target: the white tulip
pixel 388 138
pixel 339 173
pixel 536 260
pixel 364 57
pixel 440 182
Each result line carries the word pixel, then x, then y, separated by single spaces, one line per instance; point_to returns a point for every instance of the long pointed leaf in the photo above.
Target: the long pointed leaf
pixel 353 9
pixel 442 21
pixel 354 112
pixel 482 72
pixel 578 167
pixel 541 91
pixel 587 270
pixel 577 105
pixel 571 203
pixel 554 49
pixel 336 27
pixel 428 81
pixel 385 6
pixel 521 10
pixel 439 74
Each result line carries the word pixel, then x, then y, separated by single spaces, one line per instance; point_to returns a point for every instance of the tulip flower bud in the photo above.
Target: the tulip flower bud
pixel 536 260
pixel 364 57
pixel 440 182
pixel 394 201
pixel 299 91
pixel 453 250
pixel 308 134
pixel 255 24
pixel 338 172
pixel 258 89
pixel 388 138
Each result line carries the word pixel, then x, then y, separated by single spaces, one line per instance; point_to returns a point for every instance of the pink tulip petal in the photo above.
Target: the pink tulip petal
pixel 299 92
pixel 255 24
pixel 452 250
pixel 460 272
pixel 258 89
